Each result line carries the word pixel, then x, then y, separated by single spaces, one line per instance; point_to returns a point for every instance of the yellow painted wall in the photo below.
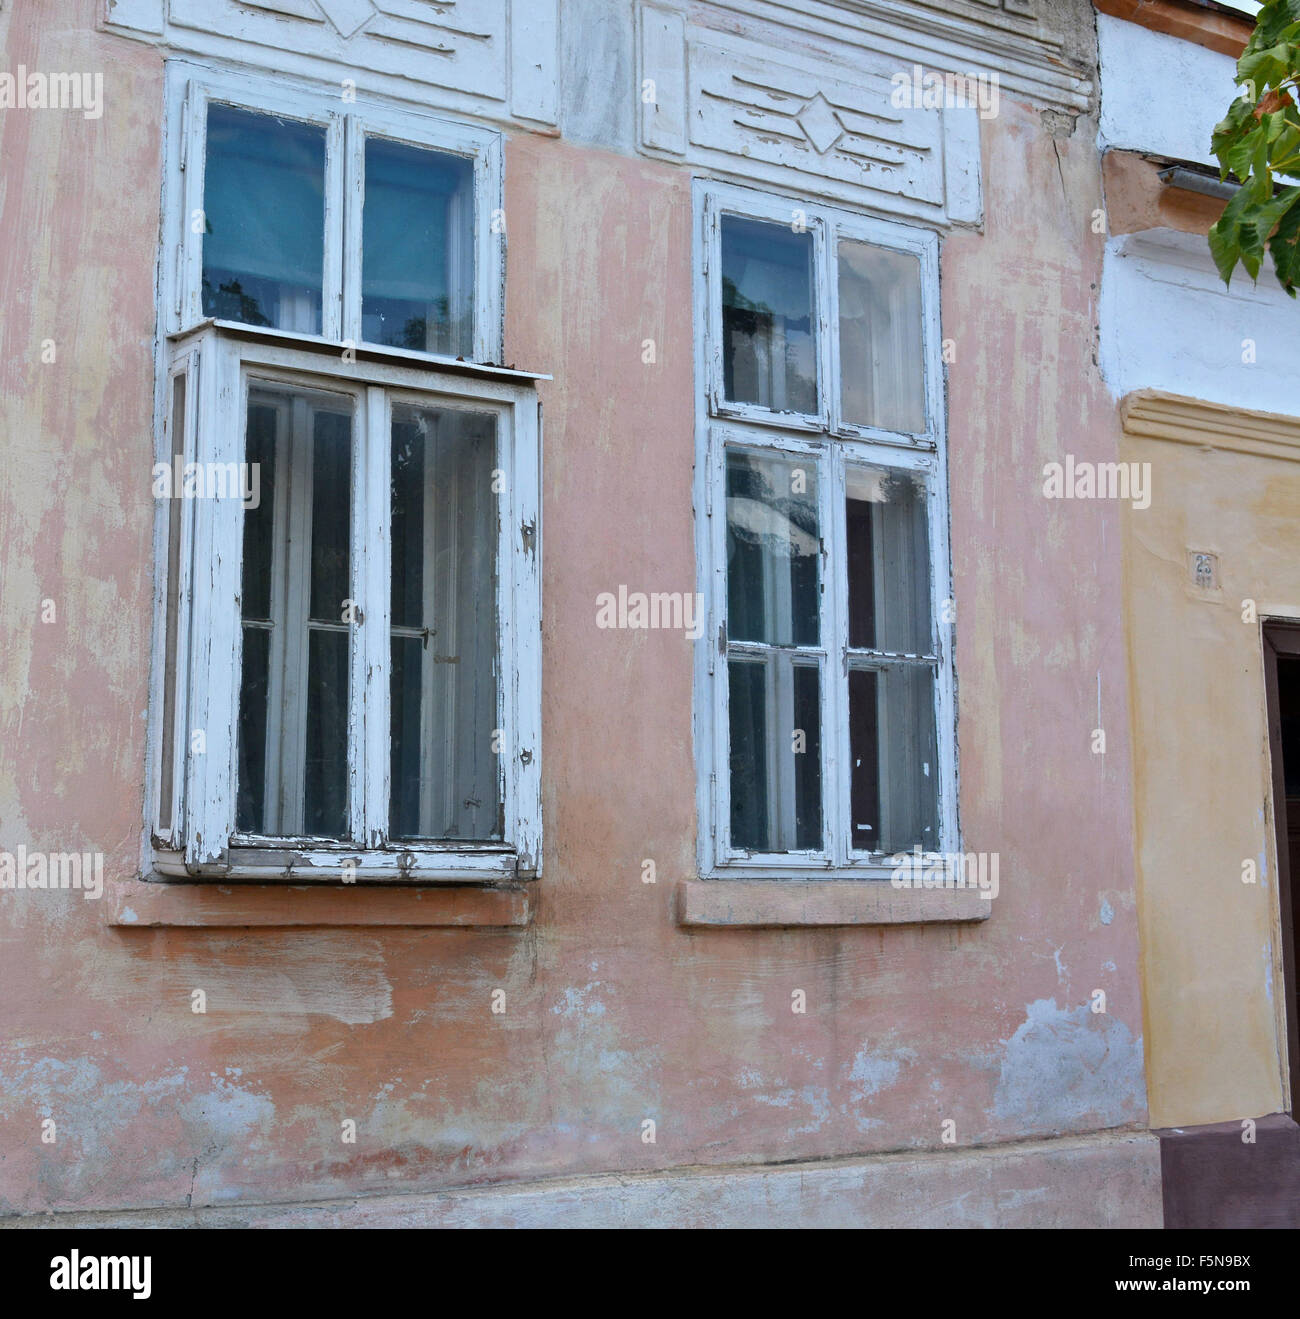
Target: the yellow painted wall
pixel 1211 962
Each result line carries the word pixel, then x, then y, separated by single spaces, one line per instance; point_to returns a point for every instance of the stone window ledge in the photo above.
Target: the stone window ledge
pixel 757 903
pixel 136 904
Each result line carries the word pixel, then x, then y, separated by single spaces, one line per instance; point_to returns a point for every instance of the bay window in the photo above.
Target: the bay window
pixel 347 655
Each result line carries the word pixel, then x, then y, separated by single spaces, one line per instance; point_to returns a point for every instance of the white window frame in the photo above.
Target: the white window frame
pixel 347 124
pixel 221 359
pixel 834 444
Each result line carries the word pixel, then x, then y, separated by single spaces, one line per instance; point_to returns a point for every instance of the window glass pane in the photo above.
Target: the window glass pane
pixel 882 369
pixel 331 475
pixel 325 774
pixel 296 573
pixel 894 785
pixel 775 712
pixel 773 550
pixel 417 266
pixel 259 522
pixel 446 773
pixel 264 217
pixel 769 353
pixel 888 561
pixel 250 816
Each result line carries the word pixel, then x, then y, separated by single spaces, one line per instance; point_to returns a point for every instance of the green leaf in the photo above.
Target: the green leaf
pixel 1284 246
pixel 1265 68
pixel 1224 236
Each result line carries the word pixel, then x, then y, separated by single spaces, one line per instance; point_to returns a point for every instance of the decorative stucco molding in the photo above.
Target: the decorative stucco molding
pixel 494 59
pixel 758 112
pixel 1182 420
pixel 798 94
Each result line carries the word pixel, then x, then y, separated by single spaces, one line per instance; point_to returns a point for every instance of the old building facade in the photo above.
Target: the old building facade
pixel 527 563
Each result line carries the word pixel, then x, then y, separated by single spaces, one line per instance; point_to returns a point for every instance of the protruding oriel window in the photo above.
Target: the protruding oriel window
pixel 347 657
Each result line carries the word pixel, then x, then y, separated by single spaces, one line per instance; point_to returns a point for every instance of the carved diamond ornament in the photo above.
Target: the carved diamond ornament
pixel 820 124
pixel 347 15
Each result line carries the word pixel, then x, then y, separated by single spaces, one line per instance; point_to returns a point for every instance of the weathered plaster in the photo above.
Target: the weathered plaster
pixel 1203 778
pixel 614 1013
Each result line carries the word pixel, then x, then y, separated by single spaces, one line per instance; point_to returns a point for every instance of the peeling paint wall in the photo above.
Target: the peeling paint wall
pixel 614 1014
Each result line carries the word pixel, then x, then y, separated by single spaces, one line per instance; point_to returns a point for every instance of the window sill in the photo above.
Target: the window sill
pixel 758 903
pixel 153 904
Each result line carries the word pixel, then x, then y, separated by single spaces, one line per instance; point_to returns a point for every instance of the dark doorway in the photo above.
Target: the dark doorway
pixel 1282 681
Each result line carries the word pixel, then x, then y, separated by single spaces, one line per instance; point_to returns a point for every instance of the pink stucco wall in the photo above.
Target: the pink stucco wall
pixel 614 1013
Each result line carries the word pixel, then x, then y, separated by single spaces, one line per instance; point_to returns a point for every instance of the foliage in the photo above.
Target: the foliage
pixel 1258 142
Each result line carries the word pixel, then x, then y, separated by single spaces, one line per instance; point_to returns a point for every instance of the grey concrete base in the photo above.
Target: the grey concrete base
pixel 1106 1180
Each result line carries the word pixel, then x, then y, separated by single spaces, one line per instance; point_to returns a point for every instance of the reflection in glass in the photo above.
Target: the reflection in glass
pixel 417 267
pixel 769 350
pixel 773 608
pixel 888 561
pixel 773 550
pixel 894 784
pixel 775 704
pixel 296 574
pixel 882 371
pixel 264 220
pixel 445 768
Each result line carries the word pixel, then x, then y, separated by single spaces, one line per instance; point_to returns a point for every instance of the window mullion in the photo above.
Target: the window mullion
pixel 188 301
pixel 337 230
pixel 823 278
pixel 836 753
pixel 368 669
pixel 352 183
pixel 829 350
